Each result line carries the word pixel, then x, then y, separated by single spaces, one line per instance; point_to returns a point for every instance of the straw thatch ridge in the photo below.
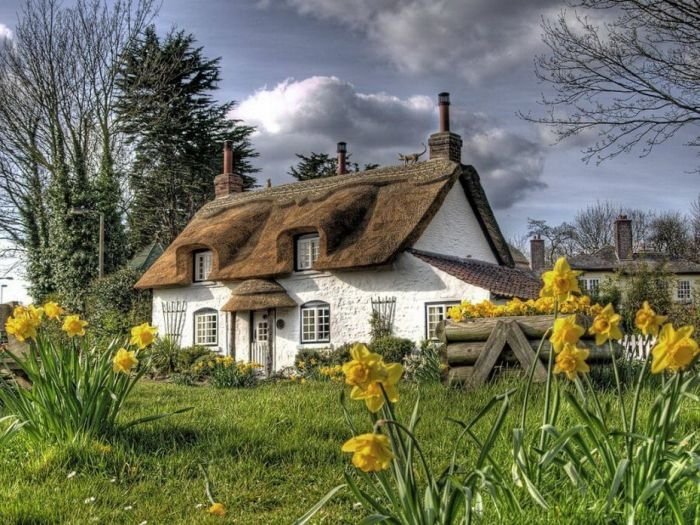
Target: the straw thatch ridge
pixel 362 219
pixel 258 294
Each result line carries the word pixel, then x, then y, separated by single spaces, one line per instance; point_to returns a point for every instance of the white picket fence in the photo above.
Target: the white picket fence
pixel 637 346
pixel 260 353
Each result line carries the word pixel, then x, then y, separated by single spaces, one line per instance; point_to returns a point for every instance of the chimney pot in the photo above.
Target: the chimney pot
pixel 228 182
pixel 537 254
pixel 444 144
pixel 341 167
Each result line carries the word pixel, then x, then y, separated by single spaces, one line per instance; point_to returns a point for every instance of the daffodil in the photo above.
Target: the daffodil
pixel 363 368
pixel 21 327
pixel 372 393
pixel 143 335
pixel 675 349
pixel 606 326
pixel 648 321
pixel 217 509
pixel 53 310
pixel 565 331
pixel 124 360
pixel 560 281
pixel 73 325
pixel 571 361
pixel 370 452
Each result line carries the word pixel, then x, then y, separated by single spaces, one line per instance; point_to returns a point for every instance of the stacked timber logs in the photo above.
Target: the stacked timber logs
pixel 476 346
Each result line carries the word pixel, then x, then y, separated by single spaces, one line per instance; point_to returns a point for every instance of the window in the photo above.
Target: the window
pixel 205 327
pixel 590 286
pixel 307 251
pixel 202 266
pixel 315 323
pixel 683 291
pixel 434 314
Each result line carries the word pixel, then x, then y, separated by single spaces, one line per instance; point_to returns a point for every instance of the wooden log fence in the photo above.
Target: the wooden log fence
pixel 476 346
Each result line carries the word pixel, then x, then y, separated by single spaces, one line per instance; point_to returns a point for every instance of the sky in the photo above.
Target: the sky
pixel 311 73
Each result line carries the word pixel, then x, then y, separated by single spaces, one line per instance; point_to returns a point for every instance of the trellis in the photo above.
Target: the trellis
pixel 174 319
pixel 383 310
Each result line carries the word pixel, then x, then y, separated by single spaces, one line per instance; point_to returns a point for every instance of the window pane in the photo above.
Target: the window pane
pixel 307 252
pixel 205 328
pixel 202 266
pixel 315 324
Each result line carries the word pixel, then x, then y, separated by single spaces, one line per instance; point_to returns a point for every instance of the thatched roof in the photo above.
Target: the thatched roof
pixel 499 280
pixel 258 294
pixel 363 219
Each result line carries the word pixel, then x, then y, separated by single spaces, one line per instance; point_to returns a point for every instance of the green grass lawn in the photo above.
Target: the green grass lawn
pixel 271 453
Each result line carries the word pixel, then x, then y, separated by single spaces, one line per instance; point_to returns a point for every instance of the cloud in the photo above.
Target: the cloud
pixel 473 39
pixel 5 32
pixel 315 113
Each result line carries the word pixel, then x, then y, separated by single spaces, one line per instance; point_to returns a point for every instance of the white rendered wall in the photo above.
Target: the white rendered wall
pixel 412 281
pixel 455 230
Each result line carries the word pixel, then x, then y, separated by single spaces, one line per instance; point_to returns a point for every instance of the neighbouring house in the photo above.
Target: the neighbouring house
pixel 144 258
pixel 621 260
pixel 260 275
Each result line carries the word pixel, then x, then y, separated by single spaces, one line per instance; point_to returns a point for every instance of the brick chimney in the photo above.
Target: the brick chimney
pixel 445 144
pixel 623 237
pixel 341 169
pixel 537 254
pixel 228 182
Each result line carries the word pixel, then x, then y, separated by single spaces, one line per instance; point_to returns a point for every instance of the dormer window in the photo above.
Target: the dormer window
pixel 202 266
pixel 307 250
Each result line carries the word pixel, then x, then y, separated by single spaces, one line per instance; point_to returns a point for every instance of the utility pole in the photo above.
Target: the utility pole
pixel 3 286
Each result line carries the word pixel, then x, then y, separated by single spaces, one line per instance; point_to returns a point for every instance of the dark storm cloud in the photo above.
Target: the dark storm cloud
pixel 315 113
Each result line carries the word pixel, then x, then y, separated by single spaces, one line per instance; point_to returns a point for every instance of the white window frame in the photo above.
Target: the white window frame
pixel 206 327
pixel 319 315
pixel 441 310
pixel 684 290
pixel 307 251
pixel 588 284
pixel 202 266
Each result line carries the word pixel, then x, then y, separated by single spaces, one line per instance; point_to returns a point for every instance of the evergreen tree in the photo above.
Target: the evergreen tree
pixel 177 131
pixel 319 165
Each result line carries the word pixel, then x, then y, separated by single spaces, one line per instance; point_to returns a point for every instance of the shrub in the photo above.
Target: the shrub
pixel 78 388
pixel 393 349
pixel 227 373
pixel 163 357
pixel 186 357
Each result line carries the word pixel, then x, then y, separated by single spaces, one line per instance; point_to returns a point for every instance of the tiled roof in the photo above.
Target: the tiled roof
pixel 606 259
pixel 500 280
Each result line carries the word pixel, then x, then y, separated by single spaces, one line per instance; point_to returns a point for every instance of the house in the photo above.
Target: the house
pixel 144 258
pixel 259 275
pixel 620 260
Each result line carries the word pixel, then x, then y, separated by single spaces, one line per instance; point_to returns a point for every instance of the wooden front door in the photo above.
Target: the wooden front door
pixel 262 341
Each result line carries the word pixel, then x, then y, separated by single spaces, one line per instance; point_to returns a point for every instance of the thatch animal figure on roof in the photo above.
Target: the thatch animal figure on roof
pixel 412 158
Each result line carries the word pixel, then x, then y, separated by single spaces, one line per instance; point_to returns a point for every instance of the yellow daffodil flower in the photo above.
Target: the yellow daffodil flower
pixel 560 281
pixel 143 335
pixel 217 509
pixel 648 321
pixel 565 331
pixel 124 360
pixel 675 349
pixel 21 327
pixel 606 326
pixel 571 361
pixel 370 452
pixel 53 310
pixel 372 393
pixel 73 325
pixel 363 368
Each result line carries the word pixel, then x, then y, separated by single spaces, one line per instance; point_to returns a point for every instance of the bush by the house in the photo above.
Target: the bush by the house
pixel 225 372
pixel 393 349
pixel 320 364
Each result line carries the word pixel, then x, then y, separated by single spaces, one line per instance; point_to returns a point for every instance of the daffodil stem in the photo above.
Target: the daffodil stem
pixel 623 412
pixel 548 388
pixel 638 389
